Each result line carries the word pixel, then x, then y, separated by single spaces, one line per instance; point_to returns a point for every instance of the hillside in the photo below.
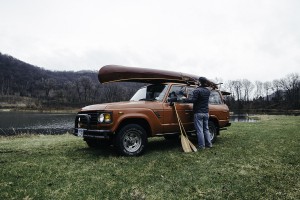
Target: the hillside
pixel 20 81
pixel 18 76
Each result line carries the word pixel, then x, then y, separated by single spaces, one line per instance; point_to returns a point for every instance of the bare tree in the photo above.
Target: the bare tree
pixel 237 86
pixel 94 92
pixel 291 86
pixel 49 84
pixel 248 87
pixel 267 87
pixel 70 91
pixel 258 86
pixel 277 89
pixel 2 85
pixel 229 87
pixel 86 85
pixel 111 91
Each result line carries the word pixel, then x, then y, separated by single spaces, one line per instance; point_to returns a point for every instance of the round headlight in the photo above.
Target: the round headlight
pixel 78 123
pixel 107 118
pixel 101 118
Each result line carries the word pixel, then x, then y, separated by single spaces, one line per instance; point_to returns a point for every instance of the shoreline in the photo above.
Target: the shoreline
pixel 40 110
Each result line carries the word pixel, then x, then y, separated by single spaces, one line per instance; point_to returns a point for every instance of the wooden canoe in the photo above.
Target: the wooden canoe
pixel 117 73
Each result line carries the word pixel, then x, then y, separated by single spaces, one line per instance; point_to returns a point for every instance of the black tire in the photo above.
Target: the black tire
pixel 97 144
pixel 131 140
pixel 213 131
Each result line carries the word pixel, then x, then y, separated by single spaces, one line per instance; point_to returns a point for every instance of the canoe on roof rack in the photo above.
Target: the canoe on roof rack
pixel 117 73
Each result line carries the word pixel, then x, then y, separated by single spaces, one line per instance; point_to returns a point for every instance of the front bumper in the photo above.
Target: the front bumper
pixel 99 134
pixel 85 127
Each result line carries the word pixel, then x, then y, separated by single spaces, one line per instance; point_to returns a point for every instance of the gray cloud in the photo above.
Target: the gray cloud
pixel 258 40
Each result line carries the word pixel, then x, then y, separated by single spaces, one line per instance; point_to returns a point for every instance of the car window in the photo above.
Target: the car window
pixel 178 91
pixel 214 98
pixel 150 93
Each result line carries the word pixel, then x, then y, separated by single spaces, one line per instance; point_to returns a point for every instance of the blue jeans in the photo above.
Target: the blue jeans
pixel 201 126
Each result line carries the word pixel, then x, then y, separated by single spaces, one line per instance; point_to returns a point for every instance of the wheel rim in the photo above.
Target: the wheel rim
pixel 132 140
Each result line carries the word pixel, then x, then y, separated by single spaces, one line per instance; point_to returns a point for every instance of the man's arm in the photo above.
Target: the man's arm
pixel 194 97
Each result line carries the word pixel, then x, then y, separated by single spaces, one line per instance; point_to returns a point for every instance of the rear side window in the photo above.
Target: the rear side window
pixel 215 98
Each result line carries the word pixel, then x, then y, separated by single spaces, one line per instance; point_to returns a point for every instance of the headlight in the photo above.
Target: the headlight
pixel 79 123
pixel 104 117
pixel 101 118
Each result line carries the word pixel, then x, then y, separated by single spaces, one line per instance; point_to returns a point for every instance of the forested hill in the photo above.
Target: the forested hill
pixel 55 88
pixel 18 76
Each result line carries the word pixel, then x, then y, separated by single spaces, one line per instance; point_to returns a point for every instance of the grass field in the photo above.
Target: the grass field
pixel 249 161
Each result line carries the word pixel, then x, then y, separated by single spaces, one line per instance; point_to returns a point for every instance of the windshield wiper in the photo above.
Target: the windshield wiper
pixel 147 99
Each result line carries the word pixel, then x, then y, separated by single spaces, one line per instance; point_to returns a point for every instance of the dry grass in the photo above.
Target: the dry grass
pixel 249 161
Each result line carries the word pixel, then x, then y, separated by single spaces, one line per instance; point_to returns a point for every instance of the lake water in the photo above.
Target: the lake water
pixel 12 123
pixel 243 118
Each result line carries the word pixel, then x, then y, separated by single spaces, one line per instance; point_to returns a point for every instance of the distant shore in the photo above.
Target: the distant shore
pixel 48 110
pixel 266 112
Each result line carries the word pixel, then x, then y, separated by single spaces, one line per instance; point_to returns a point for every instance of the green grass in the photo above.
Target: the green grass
pixel 249 161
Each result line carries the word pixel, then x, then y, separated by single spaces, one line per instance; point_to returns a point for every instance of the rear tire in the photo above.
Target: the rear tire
pixel 131 140
pixel 213 131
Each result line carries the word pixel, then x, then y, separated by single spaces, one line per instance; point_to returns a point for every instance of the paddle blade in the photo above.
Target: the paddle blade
pixel 192 146
pixel 185 144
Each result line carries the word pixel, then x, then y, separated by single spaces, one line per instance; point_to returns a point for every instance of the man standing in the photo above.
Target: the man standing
pixel 200 107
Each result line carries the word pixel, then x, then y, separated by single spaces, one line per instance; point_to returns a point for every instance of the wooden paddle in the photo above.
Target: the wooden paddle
pixel 186 144
pixel 184 132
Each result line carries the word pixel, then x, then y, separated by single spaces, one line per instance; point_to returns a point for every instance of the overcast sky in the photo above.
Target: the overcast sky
pixel 228 39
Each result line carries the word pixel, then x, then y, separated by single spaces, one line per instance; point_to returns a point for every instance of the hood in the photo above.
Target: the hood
pixel 121 105
pixel 94 107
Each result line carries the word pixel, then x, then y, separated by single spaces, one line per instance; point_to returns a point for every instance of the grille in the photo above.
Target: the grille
pixel 92 117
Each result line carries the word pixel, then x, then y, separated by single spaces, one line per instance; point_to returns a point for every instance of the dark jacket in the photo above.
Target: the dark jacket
pixel 200 100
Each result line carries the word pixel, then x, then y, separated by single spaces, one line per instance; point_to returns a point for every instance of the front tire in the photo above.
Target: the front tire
pixel 213 131
pixel 131 140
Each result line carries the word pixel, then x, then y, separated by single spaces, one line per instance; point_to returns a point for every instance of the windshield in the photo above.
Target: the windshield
pixel 150 93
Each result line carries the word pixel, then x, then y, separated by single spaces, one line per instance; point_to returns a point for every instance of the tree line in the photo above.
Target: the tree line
pixel 279 94
pixel 63 89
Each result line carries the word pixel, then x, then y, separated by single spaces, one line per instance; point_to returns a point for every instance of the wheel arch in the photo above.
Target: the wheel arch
pixel 216 122
pixel 140 121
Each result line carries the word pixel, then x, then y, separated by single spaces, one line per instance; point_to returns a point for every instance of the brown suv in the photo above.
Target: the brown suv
pixel 148 113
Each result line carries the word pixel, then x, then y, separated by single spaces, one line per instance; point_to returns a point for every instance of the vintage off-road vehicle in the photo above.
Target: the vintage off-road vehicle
pixel 149 113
